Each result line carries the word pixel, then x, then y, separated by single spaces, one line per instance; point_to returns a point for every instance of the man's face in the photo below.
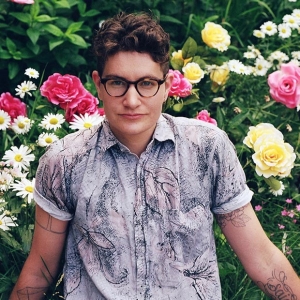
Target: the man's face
pixel 132 118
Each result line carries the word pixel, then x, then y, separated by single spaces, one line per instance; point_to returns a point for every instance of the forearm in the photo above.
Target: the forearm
pixel 32 284
pixel 276 278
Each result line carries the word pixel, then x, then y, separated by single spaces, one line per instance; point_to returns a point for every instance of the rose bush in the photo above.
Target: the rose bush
pixel 204 115
pixel 181 87
pixel 12 105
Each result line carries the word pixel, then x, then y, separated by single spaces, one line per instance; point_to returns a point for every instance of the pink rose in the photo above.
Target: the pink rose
pixel 23 1
pixel 88 104
pixel 66 91
pixel 13 106
pixel 203 115
pixel 285 85
pixel 181 87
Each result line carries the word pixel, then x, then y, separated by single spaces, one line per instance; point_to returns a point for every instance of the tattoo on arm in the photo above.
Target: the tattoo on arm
pixel 276 288
pixel 28 292
pixel 237 218
pixel 49 226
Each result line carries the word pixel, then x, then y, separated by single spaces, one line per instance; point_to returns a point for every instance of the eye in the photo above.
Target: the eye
pixel 147 83
pixel 116 83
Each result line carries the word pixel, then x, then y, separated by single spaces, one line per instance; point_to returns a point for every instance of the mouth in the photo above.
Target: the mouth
pixel 132 116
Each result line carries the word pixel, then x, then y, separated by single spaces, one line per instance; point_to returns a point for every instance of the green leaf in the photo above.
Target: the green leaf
pixel 77 40
pixel 35 9
pixel 220 117
pixel 62 4
pixel 238 119
pixel 44 18
pixel 33 48
pixel 61 59
pixel 55 43
pixel 178 107
pixel 33 34
pixel 199 61
pixel 91 13
pixel 4 54
pixel 177 63
pixel 53 30
pixel 8 239
pixel 23 17
pixel 81 7
pixel 189 48
pixel 11 46
pixel 13 70
pixel 170 19
pixel 74 27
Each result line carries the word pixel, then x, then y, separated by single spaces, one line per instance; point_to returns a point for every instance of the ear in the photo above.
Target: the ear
pixel 96 79
pixel 168 84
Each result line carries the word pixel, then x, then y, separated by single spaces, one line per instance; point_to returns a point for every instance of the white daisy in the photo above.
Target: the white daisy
pixel 284 30
pixel 279 191
pixel 269 28
pixel 45 139
pixel 278 56
pixel 7 221
pixel 218 99
pixel 259 34
pixel 234 65
pixel 296 13
pixel 24 188
pixel 249 55
pixel 24 88
pixel 4 119
pixel 32 73
pixel 19 157
pixel 52 121
pixel 291 21
pixel 5 180
pixel 296 55
pixel 85 121
pixel 261 67
pixel 295 62
pixel 21 125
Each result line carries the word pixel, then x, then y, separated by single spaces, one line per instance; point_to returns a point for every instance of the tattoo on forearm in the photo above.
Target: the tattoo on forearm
pixel 276 288
pixel 237 218
pixel 49 226
pixel 27 292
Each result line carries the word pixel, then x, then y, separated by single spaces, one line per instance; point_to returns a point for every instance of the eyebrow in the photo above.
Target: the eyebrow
pixel 112 76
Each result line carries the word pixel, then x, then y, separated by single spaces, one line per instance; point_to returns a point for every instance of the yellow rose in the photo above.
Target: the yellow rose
pixel 215 36
pixel 219 74
pixel 273 157
pixel 261 129
pixel 192 72
pixel 177 54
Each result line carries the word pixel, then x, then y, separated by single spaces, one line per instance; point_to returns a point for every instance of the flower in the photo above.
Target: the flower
pixel 204 115
pixel 24 188
pixel 19 157
pixel 192 72
pixel 281 226
pixel 257 131
pixel 63 90
pixel 13 106
pixel 284 31
pixel 45 139
pixel 215 36
pixel 218 99
pixel 21 125
pixel 258 207
pixel 259 34
pixel 23 1
pixel 285 85
pixel 219 74
pixel 52 121
pixel 298 207
pixel 25 88
pixel 261 66
pixel 181 87
pixel 5 180
pixel 32 73
pixel 85 121
pixel 278 190
pixel 4 120
pixel 290 21
pixel 272 156
pixel 7 221
pixel 289 200
pixel 269 28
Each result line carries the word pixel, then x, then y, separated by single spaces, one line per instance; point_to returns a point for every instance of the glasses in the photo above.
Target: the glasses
pixel 146 87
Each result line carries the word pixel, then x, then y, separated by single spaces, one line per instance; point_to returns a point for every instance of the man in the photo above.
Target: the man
pixel 134 198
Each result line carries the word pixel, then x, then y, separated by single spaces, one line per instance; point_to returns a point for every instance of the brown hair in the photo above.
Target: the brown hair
pixel 132 32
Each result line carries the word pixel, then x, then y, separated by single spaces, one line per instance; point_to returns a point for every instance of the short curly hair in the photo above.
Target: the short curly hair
pixel 132 32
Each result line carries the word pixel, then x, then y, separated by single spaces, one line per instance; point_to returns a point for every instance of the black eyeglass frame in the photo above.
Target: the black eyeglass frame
pixel 135 83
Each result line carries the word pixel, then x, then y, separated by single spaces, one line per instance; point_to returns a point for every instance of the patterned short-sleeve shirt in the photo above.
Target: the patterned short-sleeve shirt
pixel 141 227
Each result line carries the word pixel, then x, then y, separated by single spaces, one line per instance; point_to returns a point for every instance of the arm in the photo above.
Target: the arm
pixel 42 264
pixel 262 260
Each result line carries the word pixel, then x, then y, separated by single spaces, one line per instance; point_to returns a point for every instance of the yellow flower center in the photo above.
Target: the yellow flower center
pixel 48 140
pixel 18 157
pixel 2 120
pixel 29 189
pixel 1 222
pixel 283 30
pixel 53 121
pixel 21 125
pixel 269 27
pixel 87 125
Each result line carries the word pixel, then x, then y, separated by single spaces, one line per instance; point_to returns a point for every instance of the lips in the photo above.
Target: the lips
pixel 132 116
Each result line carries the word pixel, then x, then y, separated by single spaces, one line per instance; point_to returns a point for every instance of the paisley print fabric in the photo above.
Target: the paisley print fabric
pixel 141 228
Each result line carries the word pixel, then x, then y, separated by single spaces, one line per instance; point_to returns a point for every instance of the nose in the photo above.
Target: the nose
pixel 132 97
